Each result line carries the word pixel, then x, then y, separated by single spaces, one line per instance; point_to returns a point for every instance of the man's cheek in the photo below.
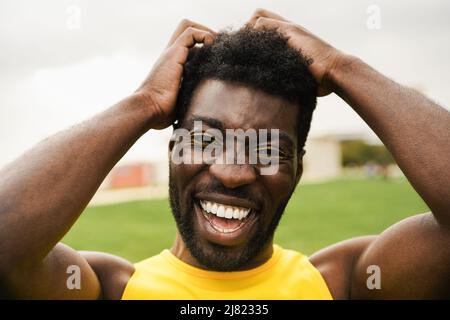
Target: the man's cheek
pixel 280 185
pixel 184 174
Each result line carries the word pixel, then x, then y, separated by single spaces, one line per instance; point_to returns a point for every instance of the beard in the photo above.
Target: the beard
pixel 214 256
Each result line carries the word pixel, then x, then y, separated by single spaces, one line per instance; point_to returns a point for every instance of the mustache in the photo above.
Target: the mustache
pixel 244 192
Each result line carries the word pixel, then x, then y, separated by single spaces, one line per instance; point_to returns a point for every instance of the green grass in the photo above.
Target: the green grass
pixel 317 215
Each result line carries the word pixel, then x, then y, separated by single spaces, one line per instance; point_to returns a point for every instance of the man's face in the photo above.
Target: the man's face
pixel 220 243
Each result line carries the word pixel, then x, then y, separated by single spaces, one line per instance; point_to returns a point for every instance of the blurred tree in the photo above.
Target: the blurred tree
pixel 358 152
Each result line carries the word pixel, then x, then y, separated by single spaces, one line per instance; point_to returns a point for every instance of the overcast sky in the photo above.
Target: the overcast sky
pixel 63 61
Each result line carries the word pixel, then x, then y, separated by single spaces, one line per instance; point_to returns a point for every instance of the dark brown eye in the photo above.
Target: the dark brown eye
pixel 200 140
pixel 270 153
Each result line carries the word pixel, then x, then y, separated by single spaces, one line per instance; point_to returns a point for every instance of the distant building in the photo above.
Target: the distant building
pixel 322 160
pixel 134 175
pixel 131 175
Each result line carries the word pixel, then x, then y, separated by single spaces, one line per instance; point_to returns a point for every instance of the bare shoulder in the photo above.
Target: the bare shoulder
pixel 412 258
pixel 112 271
pixel 336 264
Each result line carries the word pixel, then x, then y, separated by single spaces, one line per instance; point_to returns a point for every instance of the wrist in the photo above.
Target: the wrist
pixel 147 108
pixel 342 65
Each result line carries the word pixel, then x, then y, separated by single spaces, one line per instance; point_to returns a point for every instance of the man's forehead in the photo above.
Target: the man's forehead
pixel 235 106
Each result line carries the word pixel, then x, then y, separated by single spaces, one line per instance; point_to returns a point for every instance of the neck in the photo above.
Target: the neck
pixel 180 250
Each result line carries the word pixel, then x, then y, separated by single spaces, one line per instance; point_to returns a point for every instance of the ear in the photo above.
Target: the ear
pixel 299 173
pixel 171 141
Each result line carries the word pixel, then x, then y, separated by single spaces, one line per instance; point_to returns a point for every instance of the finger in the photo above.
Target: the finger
pixel 191 36
pixel 268 23
pixel 263 13
pixel 183 25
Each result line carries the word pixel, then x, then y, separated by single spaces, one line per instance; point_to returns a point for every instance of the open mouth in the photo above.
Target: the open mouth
pixel 225 218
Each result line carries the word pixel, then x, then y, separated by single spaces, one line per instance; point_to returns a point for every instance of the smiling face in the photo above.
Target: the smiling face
pixel 227 213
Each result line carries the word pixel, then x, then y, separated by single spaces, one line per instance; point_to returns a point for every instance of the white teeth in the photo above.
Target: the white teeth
pixel 223 211
pixel 228 213
pixel 236 213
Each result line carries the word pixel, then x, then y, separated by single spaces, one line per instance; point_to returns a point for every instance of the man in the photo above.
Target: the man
pixel 265 76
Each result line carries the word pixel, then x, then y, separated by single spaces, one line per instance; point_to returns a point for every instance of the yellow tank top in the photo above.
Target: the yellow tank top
pixel 286 275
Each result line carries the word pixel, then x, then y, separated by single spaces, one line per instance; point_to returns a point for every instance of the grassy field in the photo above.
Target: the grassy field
pixel 317 215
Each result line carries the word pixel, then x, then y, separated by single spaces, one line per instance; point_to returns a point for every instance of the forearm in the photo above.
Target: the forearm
pixel 414 129
pixel 44 191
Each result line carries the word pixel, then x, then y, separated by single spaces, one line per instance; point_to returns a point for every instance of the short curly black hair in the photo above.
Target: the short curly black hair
pixel 261 59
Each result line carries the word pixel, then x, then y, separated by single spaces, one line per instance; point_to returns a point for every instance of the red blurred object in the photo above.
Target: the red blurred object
pixel 132 175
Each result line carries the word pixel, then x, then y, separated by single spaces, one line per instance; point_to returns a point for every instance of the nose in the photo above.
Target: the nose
pixel 233 175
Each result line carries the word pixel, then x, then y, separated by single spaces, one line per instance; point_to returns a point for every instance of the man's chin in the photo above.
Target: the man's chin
pixel 216 257
pixel 219 257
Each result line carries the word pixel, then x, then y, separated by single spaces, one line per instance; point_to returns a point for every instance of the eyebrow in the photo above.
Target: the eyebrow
pixel 217 124
pixel 211 122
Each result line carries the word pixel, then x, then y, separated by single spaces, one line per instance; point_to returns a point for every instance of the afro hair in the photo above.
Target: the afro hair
pixel 261 59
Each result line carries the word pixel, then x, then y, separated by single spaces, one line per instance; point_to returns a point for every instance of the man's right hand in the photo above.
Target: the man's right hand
pixel 160 89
